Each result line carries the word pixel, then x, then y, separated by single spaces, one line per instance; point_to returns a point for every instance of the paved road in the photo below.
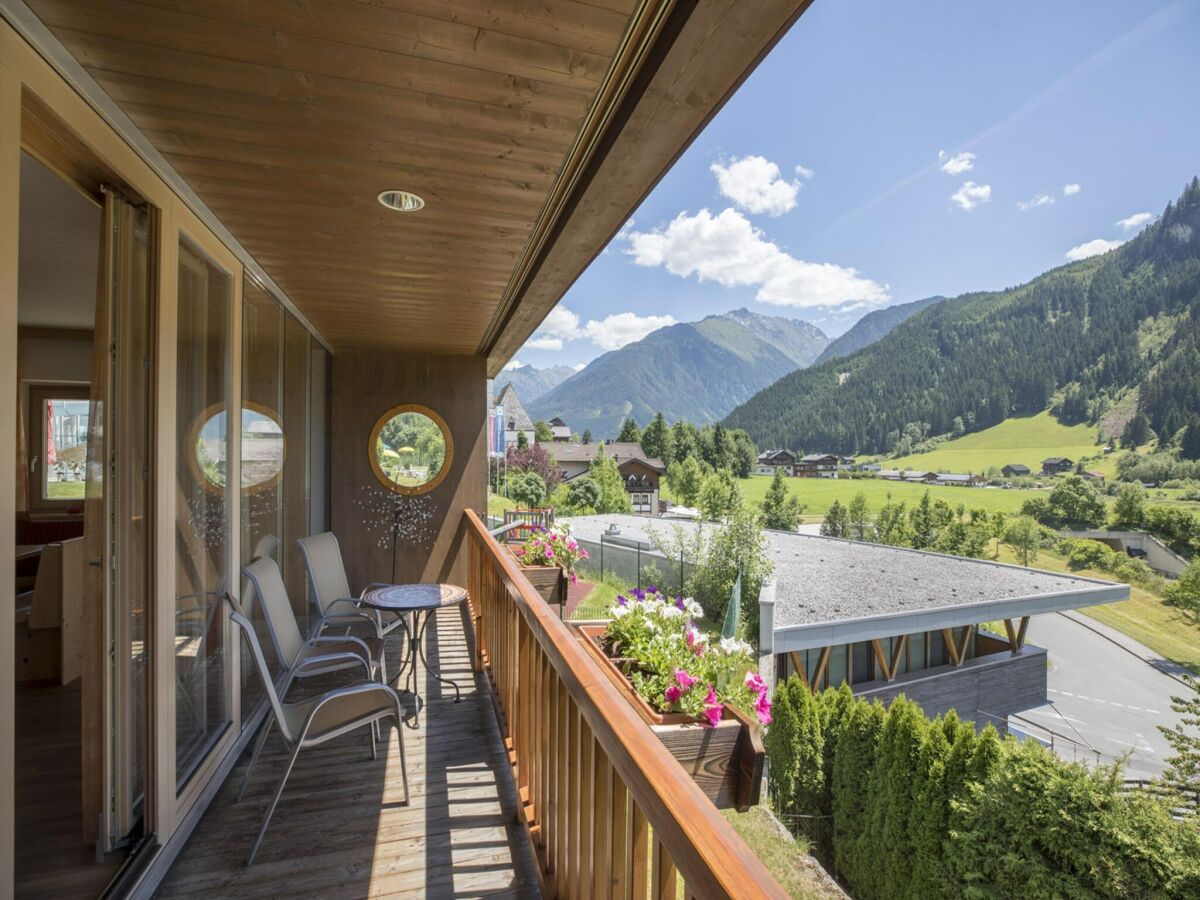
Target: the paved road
pixel 1103 696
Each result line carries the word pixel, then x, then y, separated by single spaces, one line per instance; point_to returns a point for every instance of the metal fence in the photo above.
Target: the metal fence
pixel 634 563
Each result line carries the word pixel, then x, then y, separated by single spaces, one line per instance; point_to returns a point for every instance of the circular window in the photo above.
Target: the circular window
pixel 410 449
pixel 263 448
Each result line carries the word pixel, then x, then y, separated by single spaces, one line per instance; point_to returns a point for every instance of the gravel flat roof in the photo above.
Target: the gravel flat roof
pixel 874 590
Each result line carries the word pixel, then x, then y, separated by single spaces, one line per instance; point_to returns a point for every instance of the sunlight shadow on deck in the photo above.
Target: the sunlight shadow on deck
pixel 342 829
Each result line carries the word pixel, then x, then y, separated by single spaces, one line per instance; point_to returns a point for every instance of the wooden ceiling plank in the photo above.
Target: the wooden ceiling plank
pixel 433 185
pixel 436 157
pixel 290 61
pixel 424 37
pixel 566 23
pixel 504 215
pixel 521 137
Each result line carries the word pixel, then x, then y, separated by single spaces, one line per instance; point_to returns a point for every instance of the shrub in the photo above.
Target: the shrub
pixel 527 489
pixel 1083 553
pixel 932 809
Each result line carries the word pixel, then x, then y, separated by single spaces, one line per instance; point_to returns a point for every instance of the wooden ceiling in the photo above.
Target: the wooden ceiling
pixel 288 117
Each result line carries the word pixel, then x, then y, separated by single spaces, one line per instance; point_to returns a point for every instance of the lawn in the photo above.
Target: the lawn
pixel 497 505
pixel 818 494
pixel 1026 440
pixel 65 490
pixel 785 857
pixel 1144 617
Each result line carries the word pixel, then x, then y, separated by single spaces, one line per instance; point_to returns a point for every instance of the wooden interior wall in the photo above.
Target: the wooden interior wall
pixel 431 546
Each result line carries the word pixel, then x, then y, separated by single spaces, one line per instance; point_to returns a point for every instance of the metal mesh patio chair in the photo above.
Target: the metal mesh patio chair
pixel 307 723
pixel 331 588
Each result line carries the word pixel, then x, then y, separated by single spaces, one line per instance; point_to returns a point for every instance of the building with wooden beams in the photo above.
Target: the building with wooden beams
pixel 946 631
pixel 257 263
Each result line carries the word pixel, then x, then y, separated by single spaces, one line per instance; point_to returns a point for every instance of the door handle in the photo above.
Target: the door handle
pixel 96 563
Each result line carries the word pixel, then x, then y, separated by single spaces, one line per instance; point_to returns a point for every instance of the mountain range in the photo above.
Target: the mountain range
pixel 696 371
pixel 531 382
pixel 1117 333
pixel 871 327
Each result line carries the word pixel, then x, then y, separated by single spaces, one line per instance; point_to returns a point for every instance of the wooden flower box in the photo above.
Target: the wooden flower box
pixel 549 581
pixel 726 761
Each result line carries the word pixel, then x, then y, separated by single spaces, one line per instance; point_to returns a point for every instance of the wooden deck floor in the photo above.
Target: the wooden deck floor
pixel 341 828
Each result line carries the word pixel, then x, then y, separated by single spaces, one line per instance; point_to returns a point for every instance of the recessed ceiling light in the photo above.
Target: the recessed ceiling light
pixel 402 201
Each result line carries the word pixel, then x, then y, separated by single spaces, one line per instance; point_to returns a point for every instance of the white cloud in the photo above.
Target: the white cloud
pixel 1069 190
pixel 513 364
pixel 956 164
pixel 1039 200
pixel 579 367
pixel 754 184
pixel 560 322
pixel 805 172
pixel 1092 248
pixel 971 195
pixel 729 250
pixel 619 329
pixel 1137 220
pixel 544 343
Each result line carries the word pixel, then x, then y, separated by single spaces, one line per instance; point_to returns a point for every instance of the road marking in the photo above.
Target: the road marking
pixel 1153 712
pixel 1081 697
pixel 1115 703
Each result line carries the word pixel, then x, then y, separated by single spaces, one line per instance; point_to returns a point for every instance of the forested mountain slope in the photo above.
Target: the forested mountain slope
pixel 872 327
pixel 696 371
pixel 1078 337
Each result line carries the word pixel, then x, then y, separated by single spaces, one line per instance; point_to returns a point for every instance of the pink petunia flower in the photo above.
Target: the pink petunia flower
pixel 712 707
pixel 762 706
pixel 672 694
pixel 684 679
pixel 755 682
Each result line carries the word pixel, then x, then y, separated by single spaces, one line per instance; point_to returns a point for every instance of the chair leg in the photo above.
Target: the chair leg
pixel 274 802
pixel 258 746
pixel 400 738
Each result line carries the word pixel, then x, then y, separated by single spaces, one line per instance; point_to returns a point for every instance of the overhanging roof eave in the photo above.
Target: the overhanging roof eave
pixel 807 636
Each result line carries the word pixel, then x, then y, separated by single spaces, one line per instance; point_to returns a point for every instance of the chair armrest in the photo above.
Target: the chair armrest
pixel 371 586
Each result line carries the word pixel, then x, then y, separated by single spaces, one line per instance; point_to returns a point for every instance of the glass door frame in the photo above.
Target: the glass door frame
pixel 182 224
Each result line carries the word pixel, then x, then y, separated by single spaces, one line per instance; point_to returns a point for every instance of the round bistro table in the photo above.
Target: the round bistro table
pixel 422 601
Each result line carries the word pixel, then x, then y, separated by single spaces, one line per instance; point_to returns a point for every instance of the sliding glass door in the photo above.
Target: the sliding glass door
pixel 202 507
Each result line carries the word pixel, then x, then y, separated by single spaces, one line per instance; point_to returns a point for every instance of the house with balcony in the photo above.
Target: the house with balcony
pixel 277 250
pixel 1057 465
pixel 818 465
pixel 772 460
pixel 641 474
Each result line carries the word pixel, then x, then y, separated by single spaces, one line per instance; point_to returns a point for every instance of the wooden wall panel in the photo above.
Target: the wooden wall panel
pixel 367 383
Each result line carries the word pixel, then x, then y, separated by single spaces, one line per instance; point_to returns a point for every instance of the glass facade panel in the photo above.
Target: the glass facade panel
pixel 202 507
pixel 937 649
pixel 861 664
pixel 277 360
pixel 837 665
pixel 916 651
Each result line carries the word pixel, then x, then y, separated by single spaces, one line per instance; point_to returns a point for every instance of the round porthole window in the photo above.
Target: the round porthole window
pixel 410 449
pixel 263 448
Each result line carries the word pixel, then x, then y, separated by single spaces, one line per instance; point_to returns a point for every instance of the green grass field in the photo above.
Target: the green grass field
pixel 1027 440
pixel 818 494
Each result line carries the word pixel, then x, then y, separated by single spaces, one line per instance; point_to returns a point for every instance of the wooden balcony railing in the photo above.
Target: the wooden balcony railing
pixel 609 811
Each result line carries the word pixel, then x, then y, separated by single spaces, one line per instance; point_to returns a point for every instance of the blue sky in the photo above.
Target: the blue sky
pixel 834 181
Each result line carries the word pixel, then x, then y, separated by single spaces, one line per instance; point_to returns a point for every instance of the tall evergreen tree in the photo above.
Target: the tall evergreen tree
pixel 630 434
pixel 656 439
pixel 604 473
pixel 1189 443
pixel 781 509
